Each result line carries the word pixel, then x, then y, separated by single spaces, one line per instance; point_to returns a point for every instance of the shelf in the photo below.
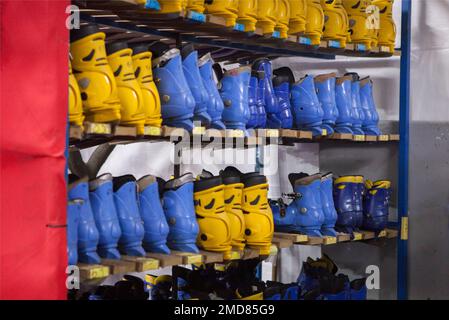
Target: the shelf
pixel 97 134
pixel 206 30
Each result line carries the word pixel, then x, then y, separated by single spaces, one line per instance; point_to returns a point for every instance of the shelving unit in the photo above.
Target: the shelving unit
pixel 126 20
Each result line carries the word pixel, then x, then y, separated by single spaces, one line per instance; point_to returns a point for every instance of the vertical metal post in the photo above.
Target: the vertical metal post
pixel 403 170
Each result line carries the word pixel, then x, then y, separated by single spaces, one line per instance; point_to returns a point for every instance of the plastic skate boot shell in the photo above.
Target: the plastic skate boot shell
pixel 370 124
pixel 76 116
pixel 215 106
pixel 171 6
pixel 227 9
pixel 376 205
pixel 144 74
pixel 233 192
pixel 387 32
pixel 73 218
pixel 283 18
pixel 179 211
pixel 260 100
pixel 153 217
pixel 129 92
pixel 252 101
pixel 309 212
pixel 267 16
pixel 105 214
pixel 343 99
pixel 327 201
pixel 125 199
pixel 272 108
pixel 177 101
pixel 88 235
pixel 314 22
pixel 344 193
pixel 358 116
pixel 325 87
pixel 336 23
pixel 298 15
pixel 257 212
pixel 358 289
pixel 307 108
pixel 234 92
pixel 195 82
pixel 213 222
pixel 195 5
pixel 358 23
pixel 94 75
pixel 283 216
pixel 282 90
pixel 247 14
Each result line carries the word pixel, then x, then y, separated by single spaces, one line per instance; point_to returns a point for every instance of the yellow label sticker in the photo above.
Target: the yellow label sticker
pixel 236 134
pixel 359 137
pixel 382 234
pixel 152 131
pixel 195 259
pixel 324 132
pixel 358 236
pixel 302 238
pixel 150 264
pixel 330 240
pixel 384 49
pixel 404 228
pixel 273 250
pixel 383 137
pixel 220 267
pixel 235 255
pixel 199 130
pixel 100 272
pixel 100 128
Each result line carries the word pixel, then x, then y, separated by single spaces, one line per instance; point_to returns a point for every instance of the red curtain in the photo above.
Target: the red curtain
pixel 33 116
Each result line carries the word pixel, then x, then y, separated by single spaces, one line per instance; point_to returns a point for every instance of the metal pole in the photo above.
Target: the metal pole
pixel 403 170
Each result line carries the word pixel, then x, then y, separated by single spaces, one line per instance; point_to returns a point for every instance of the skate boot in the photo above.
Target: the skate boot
pixel 234 92
pixel 133 108
pixel 307 109
pixel 345 192
pixel 327 202
pixel 125 199
pixel 335 287
pixel 307 203
pixel 176 98
pixel 144 75
pixel 78 190
pixel 358 116
pixel 376 204
pixel 180 214
pixel 252 100
pixel 283 18
pixel 358 290
pixel 154 222
pixel 73 218
pixel 227 9
pixel 260 100
pixel 359 191
pixel 359 25
pixel 387 32
pixel 233 189
pixel 215 106
pixel 315 22
pixel 370 124
pixel 171 6
pixel 343 99
pixel 102 202
pixel 336 23
pixel 325 86
pixel 195 82
pixel 247 14
pixel 267 16
pixel 213 222
pixel 76 116
pixel 257 212
pixel 271 102
pixel 281 83
pixel 94 75
pixel 195 5
pixel 298 13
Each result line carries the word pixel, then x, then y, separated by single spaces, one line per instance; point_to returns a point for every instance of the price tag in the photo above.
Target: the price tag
pixel 304 40
pixel 330 240
pixel 358 236
pixel 239 27
pixel 360 47
pixel 199 17
pixel 334 44
pixel 100 128
pixel 152 131
pixel 383 137
pixel 276 34
pixel 359 137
